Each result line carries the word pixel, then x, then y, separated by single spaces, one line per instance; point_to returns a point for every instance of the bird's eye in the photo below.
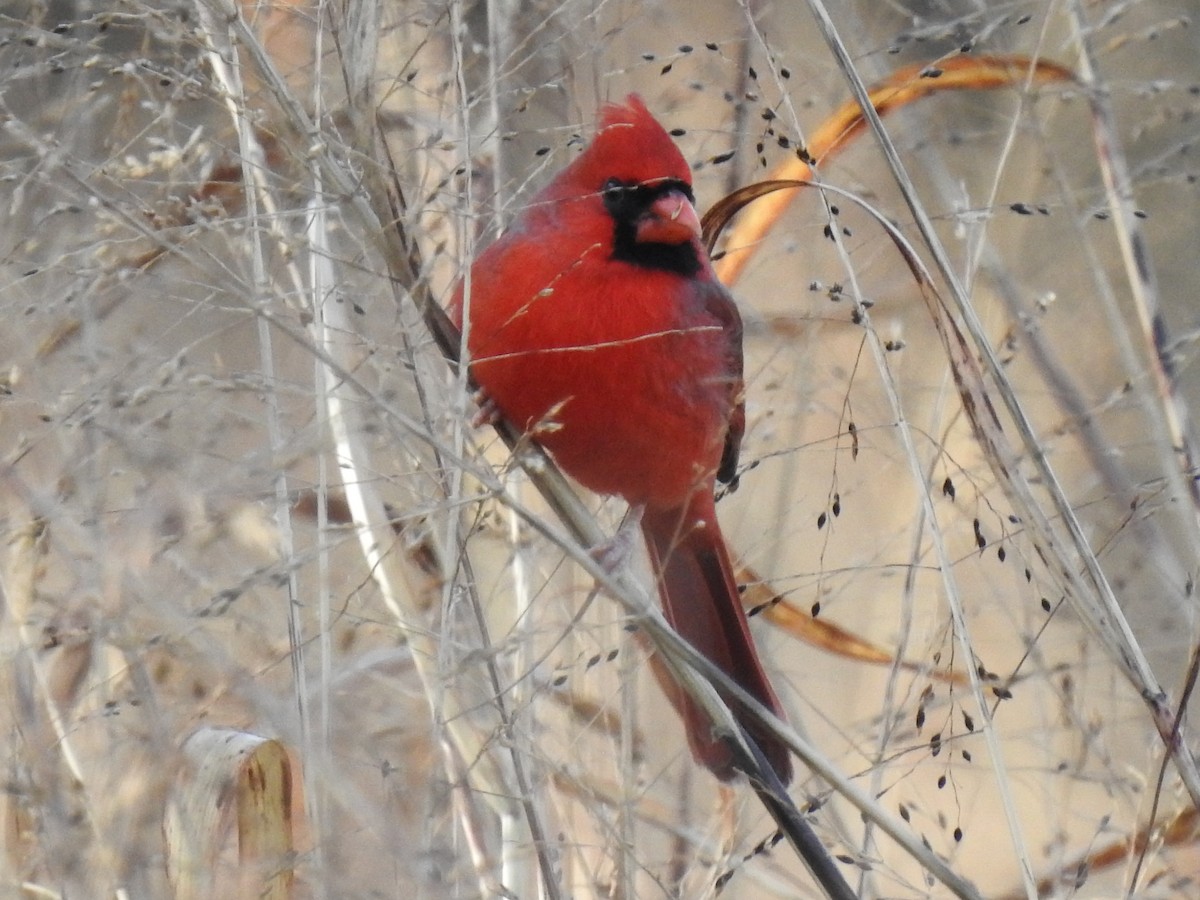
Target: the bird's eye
pixel 613 186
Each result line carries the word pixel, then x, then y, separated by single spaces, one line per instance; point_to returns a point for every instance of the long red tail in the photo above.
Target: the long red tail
pixel 700 599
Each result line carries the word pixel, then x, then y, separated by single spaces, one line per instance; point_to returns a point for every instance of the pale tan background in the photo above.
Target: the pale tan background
pixel 149 565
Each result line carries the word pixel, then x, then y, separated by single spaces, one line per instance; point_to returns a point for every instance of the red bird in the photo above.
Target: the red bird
pixel 598 325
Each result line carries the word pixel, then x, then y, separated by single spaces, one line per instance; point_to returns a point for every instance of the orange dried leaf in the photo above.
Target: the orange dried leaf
pixel 822 634
pixel 1182 831
pixel 902 87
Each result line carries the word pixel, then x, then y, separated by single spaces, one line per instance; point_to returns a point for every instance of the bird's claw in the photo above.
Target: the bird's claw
pixel 488 412
pixel 615 552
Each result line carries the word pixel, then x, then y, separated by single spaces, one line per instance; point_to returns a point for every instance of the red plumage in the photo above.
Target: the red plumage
pixel 598 324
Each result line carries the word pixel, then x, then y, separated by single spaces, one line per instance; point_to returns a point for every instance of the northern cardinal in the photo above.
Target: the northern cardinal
pixel 598 326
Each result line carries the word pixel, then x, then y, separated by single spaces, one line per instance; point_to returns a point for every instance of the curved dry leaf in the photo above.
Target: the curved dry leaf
pixel 902 87
pixel 1182 831
pixel 231 776
pixel 264 818
pixel 758 596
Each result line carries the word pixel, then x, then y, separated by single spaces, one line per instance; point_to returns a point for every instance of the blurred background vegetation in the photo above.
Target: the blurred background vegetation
pixel 278 621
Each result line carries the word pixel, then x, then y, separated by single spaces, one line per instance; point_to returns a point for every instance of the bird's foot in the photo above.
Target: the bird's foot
pixel 488 412
pixel 614 553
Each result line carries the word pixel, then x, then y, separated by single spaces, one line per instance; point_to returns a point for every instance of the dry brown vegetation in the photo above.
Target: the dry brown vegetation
pixel 277 621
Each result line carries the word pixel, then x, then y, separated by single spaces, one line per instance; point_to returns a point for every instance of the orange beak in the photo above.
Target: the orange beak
pixel 671 219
